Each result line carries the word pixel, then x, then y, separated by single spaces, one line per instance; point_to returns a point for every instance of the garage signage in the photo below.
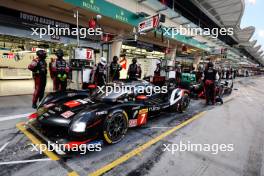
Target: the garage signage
pixel 149 24
pixel 84 53
pixel 7 56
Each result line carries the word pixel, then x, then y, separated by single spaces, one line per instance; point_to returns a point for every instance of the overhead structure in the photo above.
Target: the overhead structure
pixel 256 49
pixel 253 43
pixel 244 35
pixel 227 13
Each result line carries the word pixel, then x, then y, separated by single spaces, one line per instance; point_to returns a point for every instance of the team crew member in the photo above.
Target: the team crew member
pixel 115 69
pixel 199 75
pixel 227 73
pixel 134 70
pixel 39 68
pixel 60 71
pixel 210 76
pixel 52 60
pixel 178 75
pixel 158 68
pixel 100 72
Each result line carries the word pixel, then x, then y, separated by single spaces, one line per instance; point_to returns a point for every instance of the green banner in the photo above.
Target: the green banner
pixel 107 9
pixel 118 13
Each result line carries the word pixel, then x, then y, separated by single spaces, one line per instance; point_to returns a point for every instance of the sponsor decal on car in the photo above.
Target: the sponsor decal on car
pixel 67 114
pixel 101 113
pixel 132 123
pixel 165 106
pixel 51 112
pixel 45 115
pixel 136 108
pixel 72 104
pixel 154 108
pixel 49 105
pixel 142 111
pixel 59 109
pixel 135 114
pixel 82 101
pixel 71 94
pixel 41 117
pixel 41 110
pixel 88 100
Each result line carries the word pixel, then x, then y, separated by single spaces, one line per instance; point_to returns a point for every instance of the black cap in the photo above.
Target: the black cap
pixel 210 64
pixel 41 54
pixel 59 53
pixel 115 58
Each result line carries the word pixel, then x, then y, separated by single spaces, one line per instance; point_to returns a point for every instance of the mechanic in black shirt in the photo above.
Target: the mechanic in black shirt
pixel 39 68
pixel 60 71
pixel 210 76
pixel 115 69
pixel 134 70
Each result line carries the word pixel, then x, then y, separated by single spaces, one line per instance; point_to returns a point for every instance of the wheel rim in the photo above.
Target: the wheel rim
pixel 117 127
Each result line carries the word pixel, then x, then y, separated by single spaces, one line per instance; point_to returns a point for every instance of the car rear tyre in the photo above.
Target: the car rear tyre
pixel 115 127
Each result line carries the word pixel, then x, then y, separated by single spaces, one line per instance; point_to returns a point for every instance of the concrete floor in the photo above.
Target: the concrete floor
pixel 239 121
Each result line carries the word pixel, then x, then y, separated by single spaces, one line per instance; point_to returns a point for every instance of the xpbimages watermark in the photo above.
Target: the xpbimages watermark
pixel 62 31
pixel 117 89
pixel 82 148
pixel 191 147
pixel 195 31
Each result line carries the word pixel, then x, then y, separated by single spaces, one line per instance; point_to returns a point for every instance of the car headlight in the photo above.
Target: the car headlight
pixel 78 127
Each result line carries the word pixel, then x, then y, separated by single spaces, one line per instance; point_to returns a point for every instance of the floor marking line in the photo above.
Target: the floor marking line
pixel 138 150
pixel 12 117
pixel 160 127
pixel 73 173
pixel 34 140
pixel 24 161
pixel 51 155
pixel 4 146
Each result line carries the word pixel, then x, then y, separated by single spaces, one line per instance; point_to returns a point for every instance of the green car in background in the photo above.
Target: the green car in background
pixel 187 79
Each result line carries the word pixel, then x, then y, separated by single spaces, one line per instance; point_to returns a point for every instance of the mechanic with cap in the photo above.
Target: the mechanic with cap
pixel 115 69
pixel 100 72
pixel 134 70
pixel 210 76
pixel 158 68
pixel 39 68
pixel 60 69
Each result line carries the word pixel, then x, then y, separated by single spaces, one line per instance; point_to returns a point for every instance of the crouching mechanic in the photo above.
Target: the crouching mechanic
pixel 39 68
pixel 210 76
pixel 60 70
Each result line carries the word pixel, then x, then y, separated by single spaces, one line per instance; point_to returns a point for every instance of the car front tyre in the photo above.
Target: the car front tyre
pixel 115 127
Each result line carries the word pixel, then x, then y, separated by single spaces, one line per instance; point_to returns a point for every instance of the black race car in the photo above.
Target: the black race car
pixel 79 117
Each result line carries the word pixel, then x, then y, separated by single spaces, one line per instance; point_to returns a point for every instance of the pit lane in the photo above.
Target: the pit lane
pixel 94 162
